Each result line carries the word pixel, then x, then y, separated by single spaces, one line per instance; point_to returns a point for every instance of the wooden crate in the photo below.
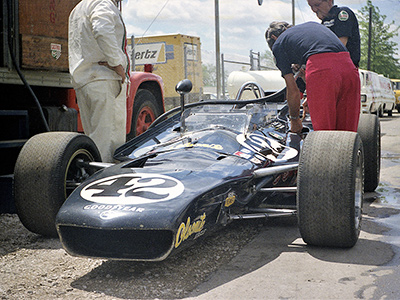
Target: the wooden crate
pixel 43 28
pixel 44 53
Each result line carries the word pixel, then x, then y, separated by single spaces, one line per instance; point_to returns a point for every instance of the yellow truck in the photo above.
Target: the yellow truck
pixel 173 57
pixel 396 89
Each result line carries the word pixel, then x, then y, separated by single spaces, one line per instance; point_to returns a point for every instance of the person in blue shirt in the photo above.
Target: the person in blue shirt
pixel 342 21
pixel 332 80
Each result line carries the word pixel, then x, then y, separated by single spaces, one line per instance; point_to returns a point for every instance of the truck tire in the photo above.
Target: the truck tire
pixel 145 111
pixel 369 129
pixel 330 188
pixel 46 172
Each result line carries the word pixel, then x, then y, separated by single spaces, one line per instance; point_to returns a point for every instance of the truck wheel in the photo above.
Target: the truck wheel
pixel 330 188
pixel 369 130
pixel 46 172
pixel 145 111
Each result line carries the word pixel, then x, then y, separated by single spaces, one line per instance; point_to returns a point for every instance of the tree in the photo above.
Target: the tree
pixel 267 60
pixel 383 49
pixel 209 75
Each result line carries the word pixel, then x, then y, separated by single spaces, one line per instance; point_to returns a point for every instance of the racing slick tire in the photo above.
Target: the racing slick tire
pixel 369 129
pixel 47 170
pixel 330 188
pixel 145 111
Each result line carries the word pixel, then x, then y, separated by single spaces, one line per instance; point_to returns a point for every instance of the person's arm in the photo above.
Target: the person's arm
pixel 293 99
pixel 118 69
pixel 104 19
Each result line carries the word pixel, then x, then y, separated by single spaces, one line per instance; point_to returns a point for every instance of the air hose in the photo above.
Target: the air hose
pixel 16 66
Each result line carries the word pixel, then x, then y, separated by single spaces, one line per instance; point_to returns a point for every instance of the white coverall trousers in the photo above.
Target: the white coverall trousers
pixel 102 105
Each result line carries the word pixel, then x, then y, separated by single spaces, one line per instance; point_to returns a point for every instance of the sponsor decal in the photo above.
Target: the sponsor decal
pixel 241 154
pixel 113 207
pixel 55 50
pixel 133 189
pixel 256 161
pixel 153 53
pixel 258 143
pixel 277 136
pixel 185 230
pixel 230 199
pixel 343 15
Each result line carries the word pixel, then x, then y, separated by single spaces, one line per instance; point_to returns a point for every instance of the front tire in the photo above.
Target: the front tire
pixel 145 111
pixel 47 170
pixel 330 188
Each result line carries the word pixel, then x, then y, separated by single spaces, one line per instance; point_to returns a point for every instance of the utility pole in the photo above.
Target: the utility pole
pixel 217 50
pixel 293 16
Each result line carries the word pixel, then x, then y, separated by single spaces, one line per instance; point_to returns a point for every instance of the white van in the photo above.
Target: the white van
pixel 377 95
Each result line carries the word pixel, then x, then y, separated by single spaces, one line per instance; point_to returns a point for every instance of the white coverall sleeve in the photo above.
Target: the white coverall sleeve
pixel 109 32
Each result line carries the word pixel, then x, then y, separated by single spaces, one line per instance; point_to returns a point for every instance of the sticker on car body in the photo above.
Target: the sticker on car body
pixel 257 142
pixel 133 189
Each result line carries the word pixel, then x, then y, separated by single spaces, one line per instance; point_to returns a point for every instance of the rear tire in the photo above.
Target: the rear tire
pixel 330 188
pixel 46 172
pixel 369 129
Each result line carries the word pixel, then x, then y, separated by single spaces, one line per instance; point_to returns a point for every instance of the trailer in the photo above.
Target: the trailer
pixel 37 95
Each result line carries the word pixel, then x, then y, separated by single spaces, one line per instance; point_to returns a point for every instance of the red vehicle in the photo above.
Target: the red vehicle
pixel 35 84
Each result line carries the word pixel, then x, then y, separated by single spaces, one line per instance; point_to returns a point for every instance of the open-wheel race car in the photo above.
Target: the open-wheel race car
pixel 198 168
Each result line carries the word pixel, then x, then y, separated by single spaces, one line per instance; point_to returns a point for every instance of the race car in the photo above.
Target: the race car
pixel 196 169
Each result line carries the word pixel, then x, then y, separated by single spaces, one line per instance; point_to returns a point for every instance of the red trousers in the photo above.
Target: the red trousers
pixel 333 91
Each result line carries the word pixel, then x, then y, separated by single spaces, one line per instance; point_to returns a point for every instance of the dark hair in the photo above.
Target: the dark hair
pixel 275 28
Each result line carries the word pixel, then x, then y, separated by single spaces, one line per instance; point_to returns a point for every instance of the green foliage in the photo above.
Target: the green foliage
pixel 209 75
pixel 383 49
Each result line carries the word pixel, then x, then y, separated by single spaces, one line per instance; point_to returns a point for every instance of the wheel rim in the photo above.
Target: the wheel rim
pixel 359 187
pixel 76 172
pixel 145 117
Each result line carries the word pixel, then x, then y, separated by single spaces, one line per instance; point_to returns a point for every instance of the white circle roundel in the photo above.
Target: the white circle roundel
pixel 133 189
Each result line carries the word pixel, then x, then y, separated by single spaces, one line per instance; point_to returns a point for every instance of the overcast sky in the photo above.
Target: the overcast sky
pixel 242 22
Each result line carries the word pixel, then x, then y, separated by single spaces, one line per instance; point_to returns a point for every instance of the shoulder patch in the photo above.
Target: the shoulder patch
pixel 343 15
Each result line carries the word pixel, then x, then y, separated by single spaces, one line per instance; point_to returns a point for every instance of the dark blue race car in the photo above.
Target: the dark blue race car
pixel 197 168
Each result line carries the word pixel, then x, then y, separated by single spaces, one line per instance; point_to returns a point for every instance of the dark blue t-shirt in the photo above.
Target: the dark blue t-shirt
pixel 343 22
pixel 296 44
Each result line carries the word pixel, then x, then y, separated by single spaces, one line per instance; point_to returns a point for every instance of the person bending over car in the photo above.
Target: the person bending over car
pixel 332 80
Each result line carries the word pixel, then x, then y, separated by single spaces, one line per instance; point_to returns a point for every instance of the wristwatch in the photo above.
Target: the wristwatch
pixel 294 118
